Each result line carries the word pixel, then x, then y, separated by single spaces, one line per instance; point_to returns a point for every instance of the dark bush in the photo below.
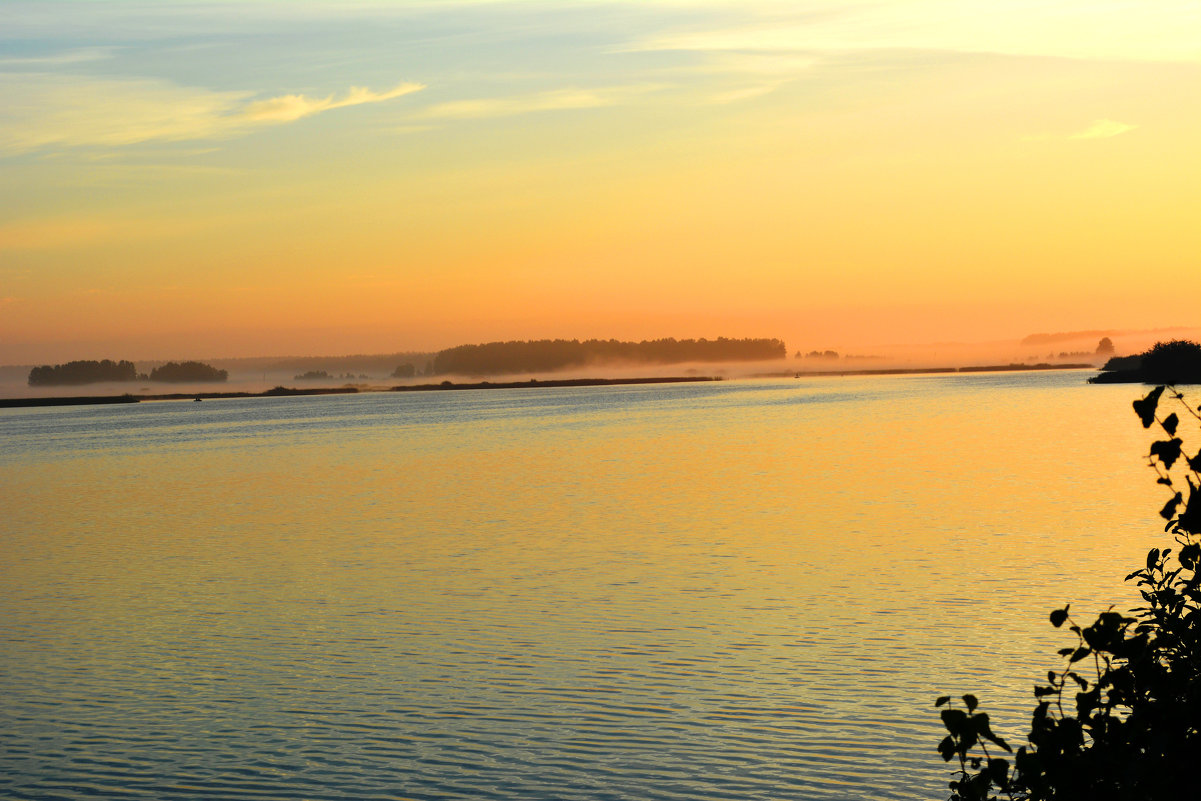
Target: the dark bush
pixel 1175 362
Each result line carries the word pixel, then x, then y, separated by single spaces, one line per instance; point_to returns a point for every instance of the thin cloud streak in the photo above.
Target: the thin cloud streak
pixel 556 100
pixel 1103 129
pixel 1100 129
pixel 46 111
pixel 1153 31
pixel 80 56
pixel 287 108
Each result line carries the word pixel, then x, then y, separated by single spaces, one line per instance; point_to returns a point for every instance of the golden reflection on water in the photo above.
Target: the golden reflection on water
pixel 597 565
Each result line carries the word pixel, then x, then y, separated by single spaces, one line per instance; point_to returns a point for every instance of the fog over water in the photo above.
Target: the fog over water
pixel 746 589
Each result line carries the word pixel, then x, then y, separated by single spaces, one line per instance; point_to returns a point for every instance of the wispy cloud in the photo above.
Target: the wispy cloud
pixel 292 107
pixel 1100 129
pixel 45 111
pixel 1103 129
pixel 79 56
pixel 1153 30
pixel 556 100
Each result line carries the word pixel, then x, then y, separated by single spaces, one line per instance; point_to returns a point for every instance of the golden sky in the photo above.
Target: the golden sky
pixel 211 179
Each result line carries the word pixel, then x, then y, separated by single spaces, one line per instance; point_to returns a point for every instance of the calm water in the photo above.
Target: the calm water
pixel 745 590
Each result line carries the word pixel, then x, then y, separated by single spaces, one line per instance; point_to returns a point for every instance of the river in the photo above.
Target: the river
pixel 739 590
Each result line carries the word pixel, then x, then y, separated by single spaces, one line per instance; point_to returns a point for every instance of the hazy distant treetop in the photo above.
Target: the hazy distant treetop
pixel 1105 347
pixel 184 372
pixel 546 355
pixel 1061 336
pixel 82 372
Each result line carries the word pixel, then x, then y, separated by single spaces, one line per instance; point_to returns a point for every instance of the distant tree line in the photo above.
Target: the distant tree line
pixel 92 372
pixel 555 354
pixel 187 372
pixel 82 372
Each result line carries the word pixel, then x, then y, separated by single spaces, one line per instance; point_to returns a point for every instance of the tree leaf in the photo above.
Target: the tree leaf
pixel 1145 408
pixel 953 719
pixel 1169 424
pixel 1169 509
pixel 947 748
pixel 1167 450
pixel 1059 616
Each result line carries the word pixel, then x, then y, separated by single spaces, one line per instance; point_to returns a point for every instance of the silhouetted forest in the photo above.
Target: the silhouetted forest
pixel 182 372
pixel 546 354
pixel 82 372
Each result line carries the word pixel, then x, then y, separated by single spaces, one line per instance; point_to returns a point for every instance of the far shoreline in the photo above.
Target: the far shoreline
pixel 289 392
pixel 532 383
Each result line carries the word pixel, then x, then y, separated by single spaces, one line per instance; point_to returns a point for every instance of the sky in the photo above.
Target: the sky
pixel 218 179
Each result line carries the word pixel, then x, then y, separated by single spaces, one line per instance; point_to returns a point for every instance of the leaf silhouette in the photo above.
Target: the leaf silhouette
pixel 1190 518
pixel 1145 408
pixel 1168 451
pixel 1169 509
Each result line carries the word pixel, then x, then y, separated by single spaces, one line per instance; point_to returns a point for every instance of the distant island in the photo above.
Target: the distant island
pixel 94 372
pixel 546 355
pixel 1174 362
pixel 82 372
pixel 187 372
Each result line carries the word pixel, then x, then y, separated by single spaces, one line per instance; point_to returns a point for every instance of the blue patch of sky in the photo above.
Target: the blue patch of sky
pixel 457 50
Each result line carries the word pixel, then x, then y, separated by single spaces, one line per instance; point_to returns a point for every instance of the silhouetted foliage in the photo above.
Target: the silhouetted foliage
pixel 1105 347
pixel 82 372
pixel 1121 721
pixel 404 371
pixel 313 375
pixel 546 354
pixel 185 372
pixel 1132 362
pixel 1175 362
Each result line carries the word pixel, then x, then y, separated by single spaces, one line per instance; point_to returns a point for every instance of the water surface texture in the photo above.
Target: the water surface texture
pixel 743 590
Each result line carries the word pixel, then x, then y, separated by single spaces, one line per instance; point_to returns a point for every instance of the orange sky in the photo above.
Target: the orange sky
pixel 206 180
